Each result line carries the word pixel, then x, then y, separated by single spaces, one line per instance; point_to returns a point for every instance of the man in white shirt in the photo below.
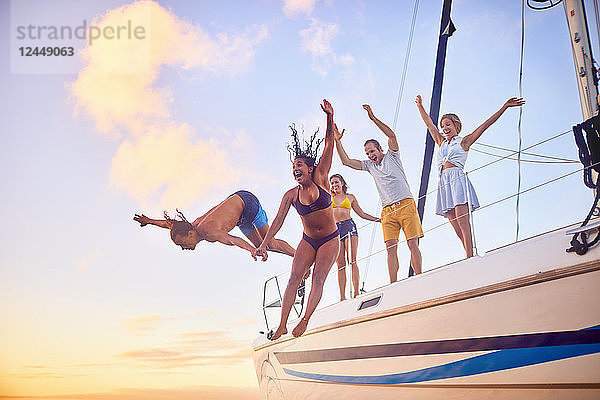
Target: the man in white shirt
pixel 399 208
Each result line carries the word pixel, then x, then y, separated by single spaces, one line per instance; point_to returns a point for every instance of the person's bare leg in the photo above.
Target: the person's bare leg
pixel 454 222
pixel 462 216
pixel 324 259
pixel 341 266
pixel 305 255
pixel 415 255
pixel 355 271
pixel 392 259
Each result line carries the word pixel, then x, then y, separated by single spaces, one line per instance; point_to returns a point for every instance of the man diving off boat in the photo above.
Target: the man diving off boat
pixel 399 208
pixel 241 209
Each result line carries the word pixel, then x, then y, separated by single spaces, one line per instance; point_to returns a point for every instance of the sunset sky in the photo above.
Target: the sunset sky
pixel 94 306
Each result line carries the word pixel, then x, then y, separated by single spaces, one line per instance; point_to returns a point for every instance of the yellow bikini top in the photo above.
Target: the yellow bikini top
pixel 344 204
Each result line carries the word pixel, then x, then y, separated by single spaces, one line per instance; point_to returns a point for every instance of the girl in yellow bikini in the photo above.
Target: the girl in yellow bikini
pixel 342 202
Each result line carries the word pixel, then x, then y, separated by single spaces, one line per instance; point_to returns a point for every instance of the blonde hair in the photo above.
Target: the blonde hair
pixel 455 120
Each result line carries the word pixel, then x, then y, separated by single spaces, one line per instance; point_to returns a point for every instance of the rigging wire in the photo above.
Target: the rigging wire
pixel 566 160
pixel 520 114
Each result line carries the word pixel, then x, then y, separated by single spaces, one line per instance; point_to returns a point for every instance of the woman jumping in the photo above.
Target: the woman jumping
pixel 453 184
pixel 320 242
pixel 342 202
pixel 241 209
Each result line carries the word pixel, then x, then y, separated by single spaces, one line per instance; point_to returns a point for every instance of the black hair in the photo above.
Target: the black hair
pixel 311 147
pixel 179 227
pixel 341 178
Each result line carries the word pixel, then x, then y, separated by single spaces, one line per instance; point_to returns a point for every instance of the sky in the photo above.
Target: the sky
pixel 94 306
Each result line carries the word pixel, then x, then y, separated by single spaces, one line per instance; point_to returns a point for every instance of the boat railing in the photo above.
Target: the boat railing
pixel 277 301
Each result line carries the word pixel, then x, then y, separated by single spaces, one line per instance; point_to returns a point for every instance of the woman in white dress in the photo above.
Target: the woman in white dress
pixel 453 185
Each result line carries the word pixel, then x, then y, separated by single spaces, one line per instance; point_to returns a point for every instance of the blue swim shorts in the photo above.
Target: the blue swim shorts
pixel 253 216
pixel 347 228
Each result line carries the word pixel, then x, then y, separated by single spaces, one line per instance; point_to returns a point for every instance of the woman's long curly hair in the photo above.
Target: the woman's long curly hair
pixel 307 151
pixel 179 227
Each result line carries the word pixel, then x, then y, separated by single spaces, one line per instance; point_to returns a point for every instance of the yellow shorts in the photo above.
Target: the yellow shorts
pixel 401 215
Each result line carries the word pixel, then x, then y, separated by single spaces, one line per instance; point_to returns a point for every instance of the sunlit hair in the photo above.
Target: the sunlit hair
pixel 179 227
pixel 374 143
pixel 308 151
pixel 344 184
pixel 455 120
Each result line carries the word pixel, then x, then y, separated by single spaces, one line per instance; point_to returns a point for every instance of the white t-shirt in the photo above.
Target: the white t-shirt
pixel 389 177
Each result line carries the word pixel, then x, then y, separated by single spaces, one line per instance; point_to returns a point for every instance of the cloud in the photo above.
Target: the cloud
pixel 292 7
pixel 316 40
pixel 159 160
pixel 142 324
pixel 167 164
pixel 197 348
pixel 89 260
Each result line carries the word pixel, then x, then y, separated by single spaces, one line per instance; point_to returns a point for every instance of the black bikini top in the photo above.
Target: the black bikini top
pixel 322 202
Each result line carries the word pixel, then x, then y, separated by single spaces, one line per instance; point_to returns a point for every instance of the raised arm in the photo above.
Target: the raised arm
pixel 433 130
pixel 392 140
pixel 322 169
pixel 472 137
pixel 284 207
pixel 143 220
pixel 347 161
pixel 230 240
pixel 359 211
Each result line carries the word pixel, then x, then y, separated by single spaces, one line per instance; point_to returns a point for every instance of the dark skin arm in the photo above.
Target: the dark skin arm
pixel 284 207
pixel 322 169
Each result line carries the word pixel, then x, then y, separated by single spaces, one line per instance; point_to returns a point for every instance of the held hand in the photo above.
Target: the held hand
pixel 514 102
pixel 327 107
pixel 260 252
pixel 142 219
pixel 337 135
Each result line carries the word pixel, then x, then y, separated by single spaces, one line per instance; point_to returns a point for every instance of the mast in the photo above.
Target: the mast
pixel 446 30
pixel 587 81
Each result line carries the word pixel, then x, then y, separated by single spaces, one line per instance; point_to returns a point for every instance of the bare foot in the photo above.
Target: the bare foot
pixel 300 328
pixel 343 298
pixel 277 334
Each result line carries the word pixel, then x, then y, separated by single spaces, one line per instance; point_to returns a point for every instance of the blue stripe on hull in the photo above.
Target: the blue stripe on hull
pixel 491 362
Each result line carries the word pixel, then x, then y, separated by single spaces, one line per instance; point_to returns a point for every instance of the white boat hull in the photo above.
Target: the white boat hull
pixel 521 322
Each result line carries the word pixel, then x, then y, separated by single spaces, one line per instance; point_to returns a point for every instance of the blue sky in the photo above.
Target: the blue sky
pixel 92 303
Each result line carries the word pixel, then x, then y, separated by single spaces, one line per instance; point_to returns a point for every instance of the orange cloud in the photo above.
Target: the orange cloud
pixel 196 348
pixel 159 160
pixel 142 324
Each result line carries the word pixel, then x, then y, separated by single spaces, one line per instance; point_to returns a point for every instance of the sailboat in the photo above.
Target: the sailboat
pixel 523 321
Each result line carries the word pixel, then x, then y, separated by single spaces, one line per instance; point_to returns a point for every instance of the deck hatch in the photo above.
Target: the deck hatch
pixel 369 303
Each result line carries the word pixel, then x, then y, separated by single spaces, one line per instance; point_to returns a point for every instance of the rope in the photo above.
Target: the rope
pixel 406 58
pixel 529 161
pixel 520 113
pixel 565 160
